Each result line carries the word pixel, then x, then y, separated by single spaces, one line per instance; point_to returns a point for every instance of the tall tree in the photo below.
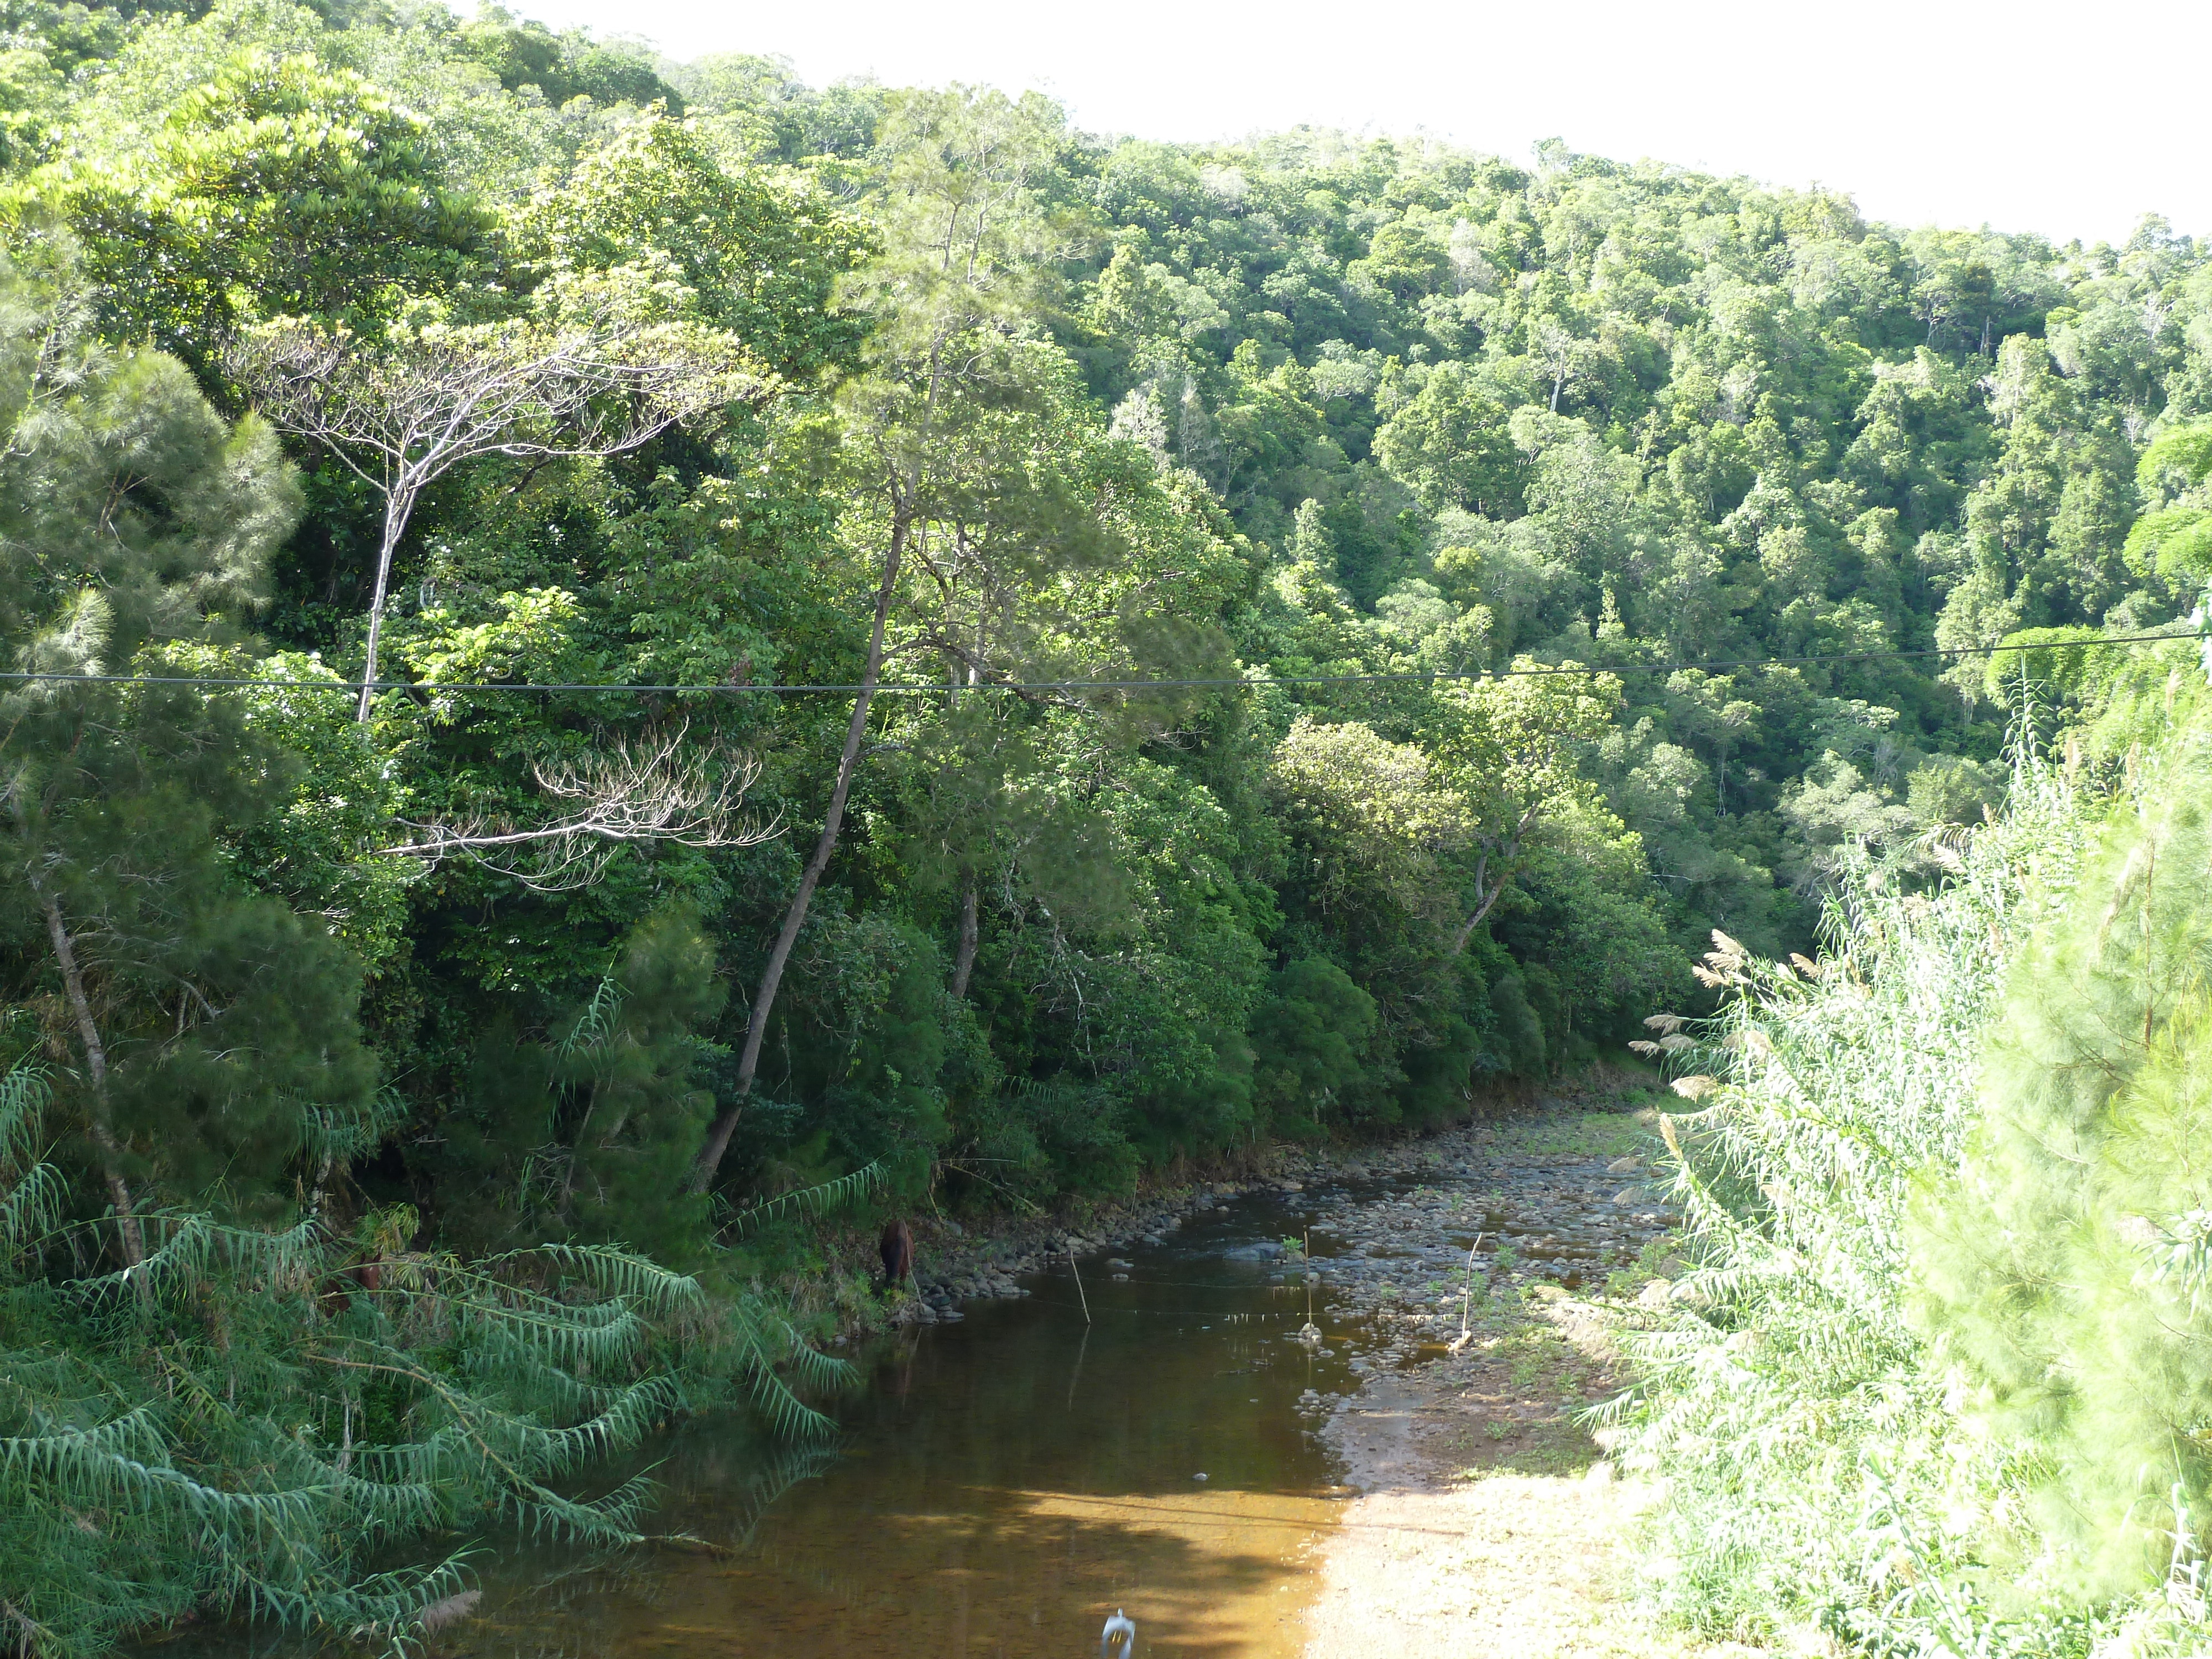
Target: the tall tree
pixel 198 1018
pixel 969 242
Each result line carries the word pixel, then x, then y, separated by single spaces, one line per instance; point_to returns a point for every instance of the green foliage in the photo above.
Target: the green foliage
pixel 264 1421
pixel 1450 444
pixel 1310 419
pixel 279 1393
pixel 560 68
pixel 2066 1255
pixel 1821 1477
pixel 1932 1381
pixel 760 258
pixel 1311 1036
pixel 135 515
pixel 281 186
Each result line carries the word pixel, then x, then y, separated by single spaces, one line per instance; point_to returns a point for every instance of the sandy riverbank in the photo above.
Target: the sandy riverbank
pixel 1489 1524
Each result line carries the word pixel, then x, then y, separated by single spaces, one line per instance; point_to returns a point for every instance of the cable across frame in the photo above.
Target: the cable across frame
pixel 933 687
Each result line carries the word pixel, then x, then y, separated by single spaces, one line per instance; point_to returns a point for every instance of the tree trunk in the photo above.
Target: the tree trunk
pixel 1466 934
pixel 96 1064
pixel 395 509
pixel 963 958
pixel 718 1136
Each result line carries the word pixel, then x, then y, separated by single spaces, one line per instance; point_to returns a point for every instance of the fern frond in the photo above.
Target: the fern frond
pixel 31 1208
pixel 338 1136
pixel 24 1094
pixel 817 1200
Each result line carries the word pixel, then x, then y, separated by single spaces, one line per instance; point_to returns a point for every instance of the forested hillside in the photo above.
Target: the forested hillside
pixel 905 641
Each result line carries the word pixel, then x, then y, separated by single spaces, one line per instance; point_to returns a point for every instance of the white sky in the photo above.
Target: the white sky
pixel 2073 122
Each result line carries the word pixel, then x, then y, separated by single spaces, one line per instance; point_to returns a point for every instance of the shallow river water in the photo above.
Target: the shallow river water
pixel 1001 1485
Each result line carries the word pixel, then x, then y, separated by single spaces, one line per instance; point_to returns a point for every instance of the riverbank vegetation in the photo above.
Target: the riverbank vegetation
pixel 596 641
pixel 1933 1384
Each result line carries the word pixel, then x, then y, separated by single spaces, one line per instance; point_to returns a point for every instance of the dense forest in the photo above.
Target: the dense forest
pixel 592 642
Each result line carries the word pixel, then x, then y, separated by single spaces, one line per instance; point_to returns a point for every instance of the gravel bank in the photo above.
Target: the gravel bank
pixel 1488 1523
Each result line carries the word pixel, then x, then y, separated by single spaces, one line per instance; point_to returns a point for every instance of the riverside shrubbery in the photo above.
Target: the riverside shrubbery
pixel 1936 1380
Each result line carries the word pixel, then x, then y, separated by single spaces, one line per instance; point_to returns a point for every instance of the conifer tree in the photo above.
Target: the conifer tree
pixel 279 1387
pixel 2069 1260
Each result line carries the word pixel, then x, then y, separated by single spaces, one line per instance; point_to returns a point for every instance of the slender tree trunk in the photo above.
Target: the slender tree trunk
pixel 963 958
pixel 395 509
pixel 718 1136
pixel 95 1063
pixel 1466 934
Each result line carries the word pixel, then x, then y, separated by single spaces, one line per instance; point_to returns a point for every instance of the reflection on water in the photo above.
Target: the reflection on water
pixel 1003 1484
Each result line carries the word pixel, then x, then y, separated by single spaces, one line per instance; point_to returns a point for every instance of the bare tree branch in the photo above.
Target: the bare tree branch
pixel 401 417
pixel 657 792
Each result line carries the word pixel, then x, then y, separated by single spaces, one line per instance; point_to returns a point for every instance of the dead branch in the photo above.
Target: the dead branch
pixel 403 416
pixel 656 792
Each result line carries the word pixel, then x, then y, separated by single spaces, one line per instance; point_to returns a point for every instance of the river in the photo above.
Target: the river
pixel 999 1486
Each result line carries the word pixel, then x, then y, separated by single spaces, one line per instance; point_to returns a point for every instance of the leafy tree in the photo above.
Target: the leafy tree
pixel 1313 1032
pixel 282 187
pixel 1512 746
pixel 522 54
pixel 758 259
pixel 1450 444
pixel 2175 541
pixel 962 232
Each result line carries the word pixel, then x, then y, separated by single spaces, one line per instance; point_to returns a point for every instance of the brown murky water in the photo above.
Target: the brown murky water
pixel 1001 1486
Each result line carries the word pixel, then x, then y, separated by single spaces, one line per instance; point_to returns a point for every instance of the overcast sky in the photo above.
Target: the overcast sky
pixel 2026 116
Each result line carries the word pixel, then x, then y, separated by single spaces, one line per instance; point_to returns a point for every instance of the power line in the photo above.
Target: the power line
pixel 909 688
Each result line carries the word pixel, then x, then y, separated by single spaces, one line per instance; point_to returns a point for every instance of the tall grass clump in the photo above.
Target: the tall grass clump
pixel 1817 1471
pixel 1938 1377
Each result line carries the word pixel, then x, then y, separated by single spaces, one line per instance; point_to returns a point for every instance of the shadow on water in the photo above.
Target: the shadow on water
pixel 1000 1485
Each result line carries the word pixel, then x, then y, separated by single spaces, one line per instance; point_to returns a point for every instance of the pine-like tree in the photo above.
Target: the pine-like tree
pixel 2070 1259
pixel 224 1383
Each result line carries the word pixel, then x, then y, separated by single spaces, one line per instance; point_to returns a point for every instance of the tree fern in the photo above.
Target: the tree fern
pixel 816 1199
